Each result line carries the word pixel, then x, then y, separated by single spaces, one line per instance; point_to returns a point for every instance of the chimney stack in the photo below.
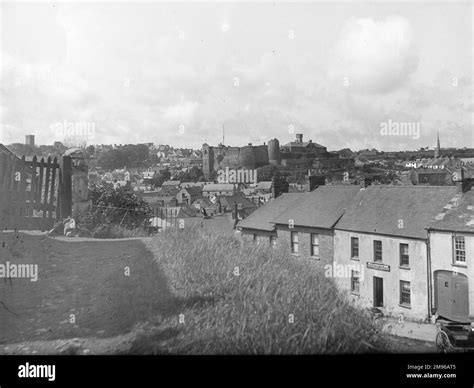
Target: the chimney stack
pixel 299 138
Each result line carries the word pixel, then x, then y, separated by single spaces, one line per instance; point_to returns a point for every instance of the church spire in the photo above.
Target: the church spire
pixel 438 149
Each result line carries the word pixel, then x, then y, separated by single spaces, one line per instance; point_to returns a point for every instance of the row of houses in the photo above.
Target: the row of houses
pixel 177 193
pixel 403 249
pixel 187 199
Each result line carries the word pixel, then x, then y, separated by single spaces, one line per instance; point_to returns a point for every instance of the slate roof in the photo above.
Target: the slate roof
pixel 204 202
pixel 171 183
pixel 238 198
pixel 264 185
pixel 302 144
pixel 456 217
pixel 219 187
pixel 261 219
pixel 320 208
pixel 378 209
pixel 7 151
pixel 194 191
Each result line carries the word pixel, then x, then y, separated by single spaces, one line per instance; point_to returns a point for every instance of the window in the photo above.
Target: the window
pixel 459 246
pixel 294 243
pixel 404 257
pixel 273 241
pixel 405 293
pixel 315 245
pixel 377 250
pixel 355 286
pixel 354 247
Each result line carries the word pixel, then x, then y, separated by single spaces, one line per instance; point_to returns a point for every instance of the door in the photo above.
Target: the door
pixel 452 295
pixel 378 292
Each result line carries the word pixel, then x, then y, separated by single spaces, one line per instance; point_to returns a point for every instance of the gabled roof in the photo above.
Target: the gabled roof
pixel 320 208
pixel 7 151
pixel 193 191
pixel 264 185
pixel 203 202
pixel 219 187
pixel 261 219
pixel 171 183
pixel 403 211
pixel 239 199
pixel 458 216
pixel 162 192
pixel 302 144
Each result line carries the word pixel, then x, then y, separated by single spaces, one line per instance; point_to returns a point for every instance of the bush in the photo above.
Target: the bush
pixel 115 211
pixel 241 297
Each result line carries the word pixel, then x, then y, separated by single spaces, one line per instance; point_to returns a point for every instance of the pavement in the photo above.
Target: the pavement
pixel 408 329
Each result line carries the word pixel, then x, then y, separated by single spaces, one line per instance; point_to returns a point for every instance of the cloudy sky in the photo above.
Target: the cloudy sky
pixel 176 74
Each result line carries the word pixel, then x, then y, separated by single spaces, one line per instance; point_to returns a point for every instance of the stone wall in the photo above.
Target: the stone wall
pixel 326 242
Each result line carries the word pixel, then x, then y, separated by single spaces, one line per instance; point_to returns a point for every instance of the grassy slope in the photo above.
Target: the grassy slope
pixel 82 278
pixel 250 313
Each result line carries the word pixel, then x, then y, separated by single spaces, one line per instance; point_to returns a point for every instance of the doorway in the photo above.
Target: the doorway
pixel 378 292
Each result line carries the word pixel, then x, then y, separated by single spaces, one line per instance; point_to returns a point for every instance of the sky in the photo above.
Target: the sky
pixel 186 73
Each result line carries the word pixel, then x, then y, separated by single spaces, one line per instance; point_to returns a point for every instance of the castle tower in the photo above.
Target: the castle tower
pixel 274 155
pixel 207 160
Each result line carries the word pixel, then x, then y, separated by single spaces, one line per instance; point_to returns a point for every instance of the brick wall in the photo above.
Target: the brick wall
pixel 262 237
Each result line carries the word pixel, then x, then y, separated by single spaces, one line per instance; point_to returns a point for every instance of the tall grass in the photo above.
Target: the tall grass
pixel 250 299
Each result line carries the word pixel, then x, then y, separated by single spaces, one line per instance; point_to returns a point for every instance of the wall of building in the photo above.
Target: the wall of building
pixel 441 250
pixel 261 236
pixel 247 157
pixel 326 242
pixel 416 274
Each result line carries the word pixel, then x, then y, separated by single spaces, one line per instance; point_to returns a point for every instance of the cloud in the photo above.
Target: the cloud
pixel 141 83
pixel 181 113
pixel 375 56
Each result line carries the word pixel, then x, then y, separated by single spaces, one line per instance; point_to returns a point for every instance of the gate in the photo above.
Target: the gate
pixel 452 295
pixel 31 192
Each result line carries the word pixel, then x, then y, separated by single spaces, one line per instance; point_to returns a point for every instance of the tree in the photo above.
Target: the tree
pixel 116 206
pixel 90 150
pixel 161 177
pixel 270 172
pixel 194 174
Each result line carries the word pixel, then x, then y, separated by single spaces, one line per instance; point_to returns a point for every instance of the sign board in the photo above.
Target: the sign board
pixel 378 266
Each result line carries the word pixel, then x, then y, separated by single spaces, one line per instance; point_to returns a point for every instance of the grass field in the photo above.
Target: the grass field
pixel 198 290
pixel 86 279
pixel 250 299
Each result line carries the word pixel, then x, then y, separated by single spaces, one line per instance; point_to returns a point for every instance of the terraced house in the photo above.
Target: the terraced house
pixel 384 231
pixel 302 224
pixel 259 226
pixel 306 230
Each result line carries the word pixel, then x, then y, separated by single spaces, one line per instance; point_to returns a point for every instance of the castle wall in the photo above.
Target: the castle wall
pixel 247 157
pixel 274 156
pixel 261 155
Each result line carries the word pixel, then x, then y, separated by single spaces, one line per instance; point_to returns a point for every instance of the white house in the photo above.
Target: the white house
pixel 384 233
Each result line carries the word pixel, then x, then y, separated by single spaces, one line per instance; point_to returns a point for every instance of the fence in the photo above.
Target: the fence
pixel 34 194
